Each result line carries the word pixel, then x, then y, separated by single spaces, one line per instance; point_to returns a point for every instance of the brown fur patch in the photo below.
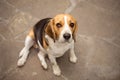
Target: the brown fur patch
pixel 31 34
pixel 50 30
pixel 45 45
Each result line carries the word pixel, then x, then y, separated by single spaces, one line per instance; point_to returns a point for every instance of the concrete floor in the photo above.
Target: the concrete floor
pixel 97 46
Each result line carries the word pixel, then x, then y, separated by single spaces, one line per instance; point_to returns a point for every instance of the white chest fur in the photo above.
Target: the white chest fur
pixel 58 49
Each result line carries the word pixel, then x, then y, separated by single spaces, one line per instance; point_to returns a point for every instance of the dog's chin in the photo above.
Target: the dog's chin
pixel 65 41
pixel 68 41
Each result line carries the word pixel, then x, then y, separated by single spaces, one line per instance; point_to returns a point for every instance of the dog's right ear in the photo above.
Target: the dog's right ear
pixel 50 29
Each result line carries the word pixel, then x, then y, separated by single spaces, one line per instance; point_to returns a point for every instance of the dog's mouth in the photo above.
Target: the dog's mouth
pixel 66 41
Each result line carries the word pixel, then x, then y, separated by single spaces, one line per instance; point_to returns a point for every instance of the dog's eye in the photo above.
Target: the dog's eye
pixel 59 25
pixel 72 25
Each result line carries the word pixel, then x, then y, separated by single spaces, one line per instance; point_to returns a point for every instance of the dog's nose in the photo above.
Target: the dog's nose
pixel 66 36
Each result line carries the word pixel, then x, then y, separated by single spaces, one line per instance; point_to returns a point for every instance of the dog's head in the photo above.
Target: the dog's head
pixel 62 28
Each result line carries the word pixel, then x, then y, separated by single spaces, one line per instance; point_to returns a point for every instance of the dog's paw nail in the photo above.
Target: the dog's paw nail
pixel 20 62
pixel 73 59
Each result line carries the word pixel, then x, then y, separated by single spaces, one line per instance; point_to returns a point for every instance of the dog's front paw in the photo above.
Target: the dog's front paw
pixel 21 62
pixel 73 59
pixel 56 70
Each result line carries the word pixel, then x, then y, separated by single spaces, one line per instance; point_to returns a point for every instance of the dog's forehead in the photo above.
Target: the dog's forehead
pixel 61 17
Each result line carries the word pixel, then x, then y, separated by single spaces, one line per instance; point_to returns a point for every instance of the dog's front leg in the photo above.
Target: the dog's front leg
pixel 73 57
pixel 41 56
pixel 56 69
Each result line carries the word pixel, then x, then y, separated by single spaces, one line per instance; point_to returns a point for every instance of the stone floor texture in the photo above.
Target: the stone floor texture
pixel 97 46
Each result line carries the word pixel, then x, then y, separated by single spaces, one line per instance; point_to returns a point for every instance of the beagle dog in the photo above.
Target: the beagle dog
pixel 53 37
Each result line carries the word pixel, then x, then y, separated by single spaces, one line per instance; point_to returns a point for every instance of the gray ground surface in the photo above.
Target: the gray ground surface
pixel 97 46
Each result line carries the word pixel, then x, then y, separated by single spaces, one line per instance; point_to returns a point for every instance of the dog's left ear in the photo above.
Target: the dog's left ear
pixel 50 30
pixel 74 31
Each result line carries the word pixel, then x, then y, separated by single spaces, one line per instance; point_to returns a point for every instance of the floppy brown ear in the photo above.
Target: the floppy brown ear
pixel 50 30
pixel 74 32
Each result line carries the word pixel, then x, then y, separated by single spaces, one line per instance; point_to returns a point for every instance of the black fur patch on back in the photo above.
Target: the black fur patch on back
pixel 39 30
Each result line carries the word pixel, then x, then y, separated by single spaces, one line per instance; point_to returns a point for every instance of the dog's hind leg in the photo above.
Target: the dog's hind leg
pixel 25 51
